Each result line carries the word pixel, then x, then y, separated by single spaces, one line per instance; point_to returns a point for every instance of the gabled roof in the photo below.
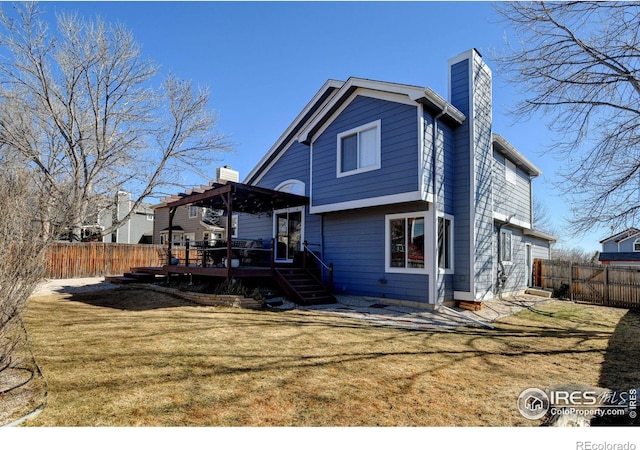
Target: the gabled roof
pixel 331 96
pixel 423 95
pixel 623 235
pixel 503 146
pixel 325 92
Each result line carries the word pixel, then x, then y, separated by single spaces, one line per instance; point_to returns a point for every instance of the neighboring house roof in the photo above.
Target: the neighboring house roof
pixel 503 146
pixel 623 235
pixel 144 208
pixel 620 256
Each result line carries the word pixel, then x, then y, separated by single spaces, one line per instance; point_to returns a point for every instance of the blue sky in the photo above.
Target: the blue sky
pixel 264 61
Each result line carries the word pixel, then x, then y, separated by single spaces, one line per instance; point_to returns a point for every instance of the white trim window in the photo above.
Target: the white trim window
pixel 296 187
pixel 193 211
pixel 405 242
pixel 510 171
pixel 506 247
pixel 445 243
pixel 359 149
pixel 636 245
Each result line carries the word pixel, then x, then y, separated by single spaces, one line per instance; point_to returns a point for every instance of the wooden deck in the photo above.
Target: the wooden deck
pixel 299 284
pixel 221 272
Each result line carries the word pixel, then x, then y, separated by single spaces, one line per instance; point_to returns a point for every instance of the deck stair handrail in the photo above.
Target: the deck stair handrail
pixel 328 267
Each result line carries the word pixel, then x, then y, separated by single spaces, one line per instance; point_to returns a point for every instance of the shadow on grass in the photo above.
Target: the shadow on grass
pixel 125 299
pixel 620 370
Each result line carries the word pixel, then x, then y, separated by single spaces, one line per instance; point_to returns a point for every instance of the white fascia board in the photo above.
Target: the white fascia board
pixel 380 86
pixel 540 234
pixel 391 97
pixel 327 85
pixel 369 202
pixel 631 236
pixel 514 155
pixel 516 222
pixel 447 108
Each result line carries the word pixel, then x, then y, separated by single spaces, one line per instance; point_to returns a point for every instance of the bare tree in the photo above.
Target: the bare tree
pixel 577 64
pixel 78 108
pixel 21 267
pixel 542 217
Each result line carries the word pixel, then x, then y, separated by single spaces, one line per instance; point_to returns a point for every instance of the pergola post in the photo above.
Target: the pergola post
pixel 229 203
pixel 172 212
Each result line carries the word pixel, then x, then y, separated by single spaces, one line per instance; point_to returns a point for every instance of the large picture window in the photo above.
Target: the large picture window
pixel 359 149
pixel 405 242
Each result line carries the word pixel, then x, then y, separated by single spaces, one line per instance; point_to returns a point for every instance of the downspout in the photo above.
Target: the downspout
pixel 439 303
pixel 434 187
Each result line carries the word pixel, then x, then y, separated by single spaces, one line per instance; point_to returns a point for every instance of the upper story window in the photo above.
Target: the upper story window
pixel 359 149
pixel 193 211
pixel 636 245
pixel 510 171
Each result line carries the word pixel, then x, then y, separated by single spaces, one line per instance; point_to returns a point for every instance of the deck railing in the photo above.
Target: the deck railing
pixel 323 266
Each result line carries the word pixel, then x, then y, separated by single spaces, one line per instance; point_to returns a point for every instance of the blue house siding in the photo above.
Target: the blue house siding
pixel 444 169
pixel 354 241
pixel 426 167
pixel 293 164
pixel 515 270
pixel 511 199
pixel 625 246
pixel 461 157
pixel 470 91
pixel 399 153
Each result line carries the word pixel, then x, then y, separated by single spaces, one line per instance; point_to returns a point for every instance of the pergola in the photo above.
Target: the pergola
pixel 232 197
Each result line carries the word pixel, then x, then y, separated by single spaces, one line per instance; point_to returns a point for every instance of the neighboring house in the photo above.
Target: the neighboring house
pixel 194 223
pixel 135 230
pixel 412 197
pixel 622 249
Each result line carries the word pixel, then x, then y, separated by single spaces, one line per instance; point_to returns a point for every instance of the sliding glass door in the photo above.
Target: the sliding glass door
pixel 289 233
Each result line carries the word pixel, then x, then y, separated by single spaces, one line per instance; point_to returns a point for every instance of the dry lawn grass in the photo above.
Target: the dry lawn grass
pixel 134 357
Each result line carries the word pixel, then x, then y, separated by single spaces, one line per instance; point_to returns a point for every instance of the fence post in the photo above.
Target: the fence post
pixel 571 281
pixel 186 252
pixel 606 284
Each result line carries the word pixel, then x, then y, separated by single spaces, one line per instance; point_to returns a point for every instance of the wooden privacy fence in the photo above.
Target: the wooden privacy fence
pixel 94 259
pixel 590 283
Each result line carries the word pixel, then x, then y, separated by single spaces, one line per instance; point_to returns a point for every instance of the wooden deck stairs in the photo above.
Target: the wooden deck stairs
pixel 302 287
pixel 135 276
